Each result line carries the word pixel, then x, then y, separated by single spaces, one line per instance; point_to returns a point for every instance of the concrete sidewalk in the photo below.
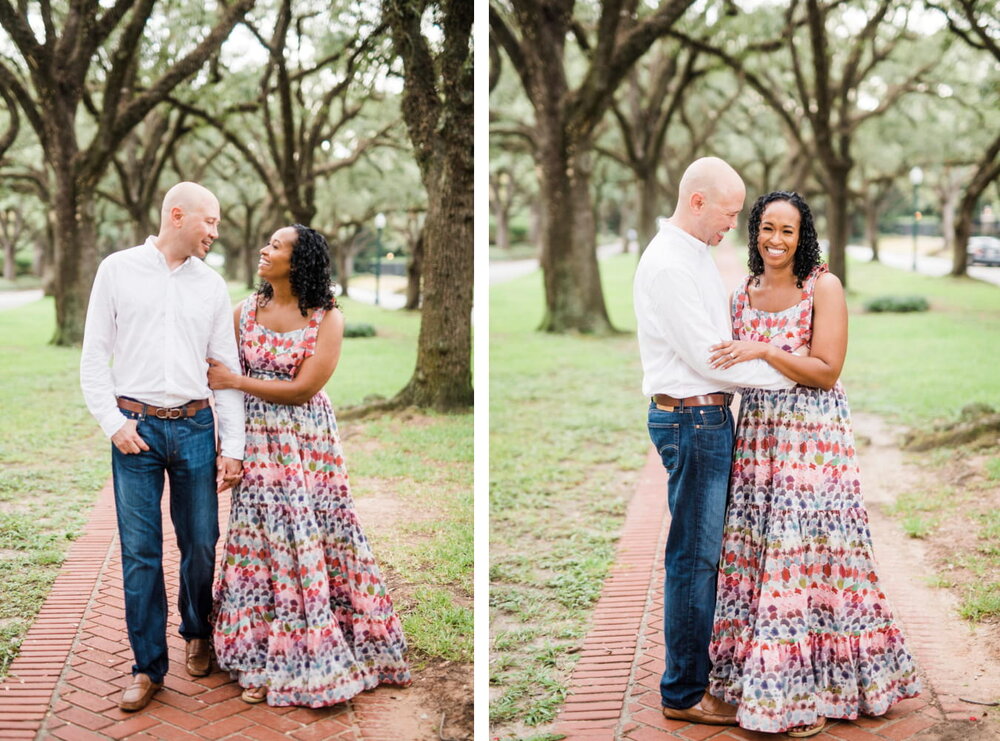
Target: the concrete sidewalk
pixel 75 661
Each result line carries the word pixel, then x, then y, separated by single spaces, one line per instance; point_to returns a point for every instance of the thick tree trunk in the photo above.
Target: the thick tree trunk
pixel 75 257
pixel 142 224
pixel 443 375
pixel 948 206
pixel 501 215
pixel 413 274
pixel 343 276
pixel 9 273
pixel 838 223
pixel 574 300
pixel 963 230
pixel 987 170
pixel 649 204
pixel 11 235
pixel 871 226
pixel 536 218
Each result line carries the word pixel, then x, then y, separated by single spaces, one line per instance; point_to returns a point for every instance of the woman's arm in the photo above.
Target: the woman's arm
pixel 236 317
pixel 821 367
pixel 313 374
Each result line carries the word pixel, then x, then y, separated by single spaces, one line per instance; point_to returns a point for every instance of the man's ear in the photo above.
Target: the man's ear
pixel 697 202
pixel 176 216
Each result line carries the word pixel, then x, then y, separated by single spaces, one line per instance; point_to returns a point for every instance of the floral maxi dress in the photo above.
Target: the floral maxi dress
pixel 299 601
pixel 802 628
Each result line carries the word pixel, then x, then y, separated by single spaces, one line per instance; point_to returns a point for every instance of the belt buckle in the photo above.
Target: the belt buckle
pixel 175 413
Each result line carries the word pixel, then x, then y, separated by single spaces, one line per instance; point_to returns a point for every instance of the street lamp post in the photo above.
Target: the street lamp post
pixel 916 178
pixel 379 226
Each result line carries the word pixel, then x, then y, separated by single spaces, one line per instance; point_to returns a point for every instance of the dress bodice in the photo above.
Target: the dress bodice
pixel 265 353
pixel 789 328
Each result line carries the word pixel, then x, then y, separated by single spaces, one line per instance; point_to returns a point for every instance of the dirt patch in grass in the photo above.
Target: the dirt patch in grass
pixel 947 493
pixel 440 690
pixel 960 730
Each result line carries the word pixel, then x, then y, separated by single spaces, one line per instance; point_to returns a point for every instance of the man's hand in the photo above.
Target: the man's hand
pixel 229 471
pixel 127 440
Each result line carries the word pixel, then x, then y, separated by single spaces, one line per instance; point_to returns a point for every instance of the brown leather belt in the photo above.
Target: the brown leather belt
pixel 670 404
pixel 187 410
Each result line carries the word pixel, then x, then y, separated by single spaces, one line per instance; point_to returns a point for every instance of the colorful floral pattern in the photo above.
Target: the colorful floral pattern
pixel 300 604
pixel 802 628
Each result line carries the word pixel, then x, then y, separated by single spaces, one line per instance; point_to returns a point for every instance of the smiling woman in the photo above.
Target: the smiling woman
pixel 294 546
pixel 797 561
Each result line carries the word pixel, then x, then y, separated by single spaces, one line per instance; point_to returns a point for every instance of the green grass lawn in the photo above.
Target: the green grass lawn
pixel 567 437
pixel 566 442
pixel 920 367
pixel 54 459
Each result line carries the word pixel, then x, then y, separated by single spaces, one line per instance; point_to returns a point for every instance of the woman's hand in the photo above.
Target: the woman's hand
pixel 727 354
pixel 220 377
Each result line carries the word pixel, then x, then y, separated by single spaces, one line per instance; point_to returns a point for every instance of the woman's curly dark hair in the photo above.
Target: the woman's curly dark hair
pixel 310 273
pixel 807 255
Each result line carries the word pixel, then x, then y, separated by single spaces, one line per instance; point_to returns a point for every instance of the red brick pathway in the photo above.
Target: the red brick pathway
pixel 75 660
pixel 614 690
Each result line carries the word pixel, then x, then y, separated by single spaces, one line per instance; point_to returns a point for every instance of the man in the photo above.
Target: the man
pixel 682 310
pixel 159 312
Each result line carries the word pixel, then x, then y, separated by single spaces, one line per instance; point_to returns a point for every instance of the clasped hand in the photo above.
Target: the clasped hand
pixel 728 354
pixel 219 376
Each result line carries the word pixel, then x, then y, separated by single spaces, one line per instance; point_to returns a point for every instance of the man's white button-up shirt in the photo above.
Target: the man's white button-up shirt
pixel 159 325
pixel 682 310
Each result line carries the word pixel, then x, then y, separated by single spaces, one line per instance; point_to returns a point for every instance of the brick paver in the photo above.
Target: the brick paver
pixel 75 661
pixel 637 575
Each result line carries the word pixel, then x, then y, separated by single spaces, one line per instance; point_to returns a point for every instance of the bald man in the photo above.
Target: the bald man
pixel 156 313
pixel 681 308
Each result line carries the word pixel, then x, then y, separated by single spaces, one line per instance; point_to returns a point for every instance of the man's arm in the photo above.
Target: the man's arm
pixel 98 345
pixel 228 402
pixel 680 316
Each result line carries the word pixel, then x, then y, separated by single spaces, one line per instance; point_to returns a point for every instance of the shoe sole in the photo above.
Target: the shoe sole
pixel 131 707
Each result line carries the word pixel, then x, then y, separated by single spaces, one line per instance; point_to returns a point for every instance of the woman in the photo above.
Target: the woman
pixel 802 632
pixel 302 616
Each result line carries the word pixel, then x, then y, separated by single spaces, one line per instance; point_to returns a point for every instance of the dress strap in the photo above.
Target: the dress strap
pixel 741 297
pixel 312 331
pixel 808 290
pixel 248 320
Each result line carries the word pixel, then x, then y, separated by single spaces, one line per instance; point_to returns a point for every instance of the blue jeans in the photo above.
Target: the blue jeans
pixel 696 446
pixel 185 450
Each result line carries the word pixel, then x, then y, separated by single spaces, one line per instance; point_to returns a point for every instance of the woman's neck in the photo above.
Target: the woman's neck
pixel 778 277
pixel 282 294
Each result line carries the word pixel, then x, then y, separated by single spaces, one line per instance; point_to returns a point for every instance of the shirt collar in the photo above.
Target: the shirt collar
pixel 689 239
pixel 154 255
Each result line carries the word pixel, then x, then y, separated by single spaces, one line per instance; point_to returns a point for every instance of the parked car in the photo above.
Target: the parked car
pixel 983 251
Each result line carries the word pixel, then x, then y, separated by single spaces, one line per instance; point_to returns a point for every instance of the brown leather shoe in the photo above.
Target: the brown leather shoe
pixel 138 694
pixel 197 658
pixel 708 710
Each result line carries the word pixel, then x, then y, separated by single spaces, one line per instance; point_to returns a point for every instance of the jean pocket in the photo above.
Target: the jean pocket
pixel 710 417
pixel 202 420
pixel 666 440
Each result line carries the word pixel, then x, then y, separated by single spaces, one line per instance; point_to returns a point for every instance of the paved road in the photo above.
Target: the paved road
pixel 505 270
pixel 10 299
pixel 935 266
pixel 387 300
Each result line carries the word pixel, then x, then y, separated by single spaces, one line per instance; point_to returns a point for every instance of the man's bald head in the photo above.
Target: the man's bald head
pixel 710 197
pixel 188 197
pixel 189 221
pixel 710 176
